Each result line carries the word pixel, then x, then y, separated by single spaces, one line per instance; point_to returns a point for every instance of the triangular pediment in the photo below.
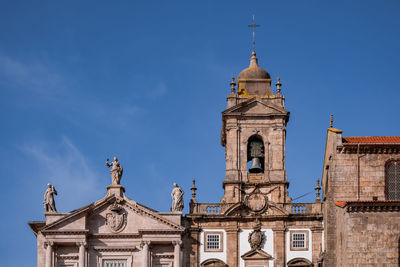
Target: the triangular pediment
pixel 255 106
pixel 256 254
pixel 116 215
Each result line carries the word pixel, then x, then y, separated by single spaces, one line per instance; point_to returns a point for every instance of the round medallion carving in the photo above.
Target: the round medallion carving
pixel 256 202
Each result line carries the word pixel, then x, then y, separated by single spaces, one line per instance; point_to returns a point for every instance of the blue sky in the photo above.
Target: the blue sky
pixel 146 81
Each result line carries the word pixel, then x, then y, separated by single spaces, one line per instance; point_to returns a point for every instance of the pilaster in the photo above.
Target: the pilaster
pixel 279 246
pixel 194 255
pixel 82 253
pixel 232 247
pixel 316 243
pixel 49 254
pixel 177 253
pixel 145 253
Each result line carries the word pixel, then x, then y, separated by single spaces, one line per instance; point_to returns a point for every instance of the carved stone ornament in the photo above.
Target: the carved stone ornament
pixel 257 202
pixel 256 239
pixel 116 219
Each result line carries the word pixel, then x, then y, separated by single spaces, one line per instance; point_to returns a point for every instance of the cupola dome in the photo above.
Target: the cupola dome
pixel 254 71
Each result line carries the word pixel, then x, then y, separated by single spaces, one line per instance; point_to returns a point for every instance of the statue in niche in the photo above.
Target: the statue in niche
pixel 177 198
pixel 49 204
pixel 116 171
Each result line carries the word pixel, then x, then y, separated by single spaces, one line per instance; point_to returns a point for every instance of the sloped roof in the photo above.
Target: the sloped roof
pixel 371 139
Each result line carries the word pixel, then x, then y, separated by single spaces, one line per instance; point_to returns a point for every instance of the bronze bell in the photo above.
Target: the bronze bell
pixel 255 166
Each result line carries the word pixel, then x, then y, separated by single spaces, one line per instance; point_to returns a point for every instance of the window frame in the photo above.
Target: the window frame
pixel 388 163
pixel 104 261
pixel 221 243
pixel 306 234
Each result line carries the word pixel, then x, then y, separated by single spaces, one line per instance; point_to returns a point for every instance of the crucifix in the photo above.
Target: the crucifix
pixel 254 26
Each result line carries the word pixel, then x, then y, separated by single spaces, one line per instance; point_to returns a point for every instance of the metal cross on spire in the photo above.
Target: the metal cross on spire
pixel 254 26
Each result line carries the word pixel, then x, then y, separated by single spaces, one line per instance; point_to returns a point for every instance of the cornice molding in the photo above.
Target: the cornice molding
pixel 65 232
pixel 112 249
pixel 369 149
pixel 112 235
pixel 378 206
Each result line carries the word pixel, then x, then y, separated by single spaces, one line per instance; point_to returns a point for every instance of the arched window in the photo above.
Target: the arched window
pixel 299 262
pixel 255 154
pixel 393 180
pixel 213 263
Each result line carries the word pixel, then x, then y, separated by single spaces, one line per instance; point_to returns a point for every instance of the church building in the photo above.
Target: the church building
pixel 356 221
pixel 255 224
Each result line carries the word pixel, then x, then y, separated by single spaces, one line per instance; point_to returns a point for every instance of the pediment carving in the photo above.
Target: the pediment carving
pixel 256 254
pixel 255 106
pixel 116 218
pixel 115 212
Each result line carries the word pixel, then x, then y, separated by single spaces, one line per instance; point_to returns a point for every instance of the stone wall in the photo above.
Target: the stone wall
pixel 370 239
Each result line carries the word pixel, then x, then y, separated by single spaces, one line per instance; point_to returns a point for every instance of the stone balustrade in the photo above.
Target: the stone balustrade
pixel 291 208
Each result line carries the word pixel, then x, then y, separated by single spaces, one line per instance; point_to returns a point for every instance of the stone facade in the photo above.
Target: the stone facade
pixel 362 226
pixel 111 231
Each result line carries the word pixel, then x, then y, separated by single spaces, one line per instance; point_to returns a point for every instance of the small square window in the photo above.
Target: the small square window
pixel 213 241
pixel 114 263
pixel 298 240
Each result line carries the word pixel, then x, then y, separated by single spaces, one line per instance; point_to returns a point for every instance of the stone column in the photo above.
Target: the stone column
pixel 49 254
pixel 82 252
pixel 232 251
pixel 177 253
pixel 279 246
pixel 145 251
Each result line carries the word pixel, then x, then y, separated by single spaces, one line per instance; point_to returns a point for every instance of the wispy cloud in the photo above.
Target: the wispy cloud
pixel 64 166
pixel 35 76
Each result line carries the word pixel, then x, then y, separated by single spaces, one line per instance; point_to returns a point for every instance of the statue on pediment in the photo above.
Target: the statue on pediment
pixel 116 171
pixel 49 203
pixel 177 198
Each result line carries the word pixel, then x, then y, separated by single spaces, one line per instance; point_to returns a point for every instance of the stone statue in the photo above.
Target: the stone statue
pixel 49 204
pixel 116 170
pixel 177 198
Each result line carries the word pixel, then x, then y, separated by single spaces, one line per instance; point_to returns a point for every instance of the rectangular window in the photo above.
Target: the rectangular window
pixel 213 241
pixel 298 240
pixel 114 263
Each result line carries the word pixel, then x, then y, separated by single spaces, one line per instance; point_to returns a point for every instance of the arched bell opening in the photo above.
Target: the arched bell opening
pixel 255 154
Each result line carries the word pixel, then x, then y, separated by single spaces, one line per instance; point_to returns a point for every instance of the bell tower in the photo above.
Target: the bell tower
pixel 253 134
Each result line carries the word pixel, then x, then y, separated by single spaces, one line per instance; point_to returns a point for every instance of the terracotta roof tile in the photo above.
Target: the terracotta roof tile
pixel 371 139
